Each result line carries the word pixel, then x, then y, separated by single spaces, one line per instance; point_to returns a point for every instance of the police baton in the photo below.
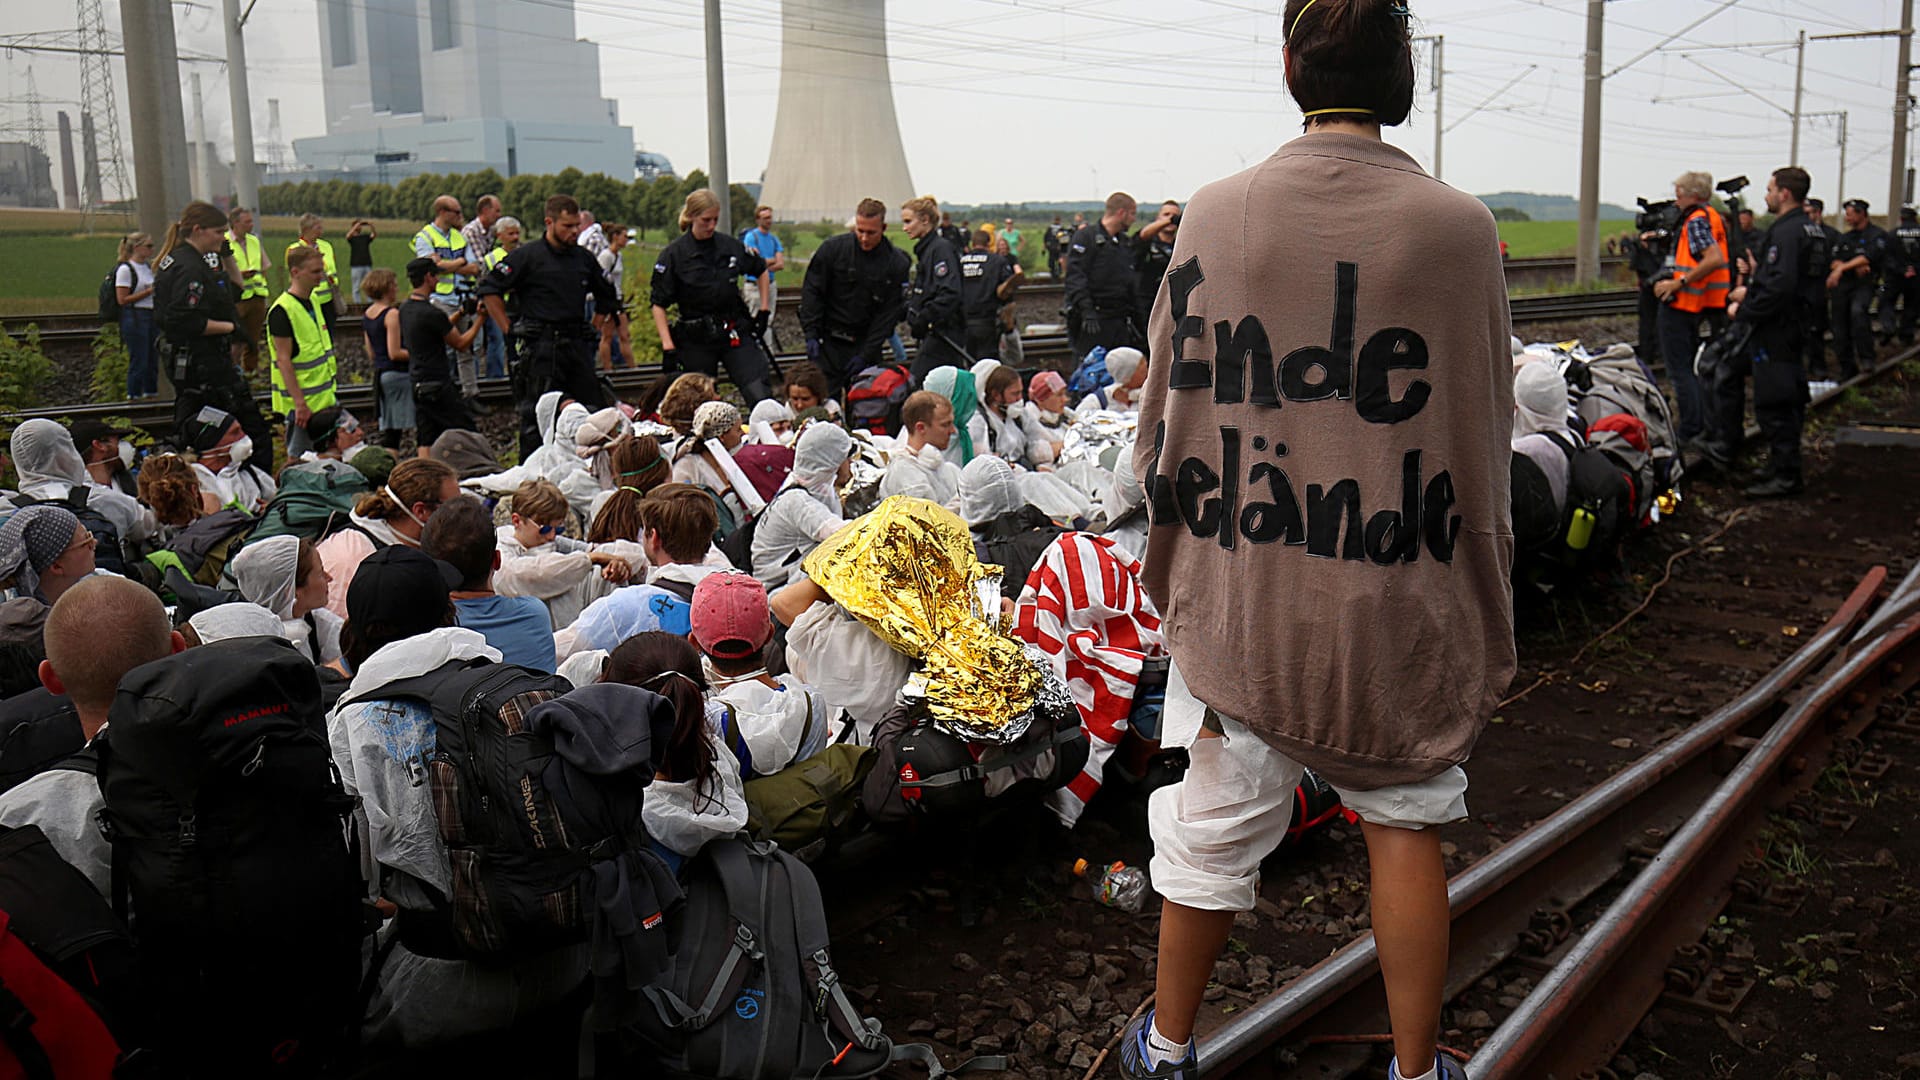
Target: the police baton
pixel 955 346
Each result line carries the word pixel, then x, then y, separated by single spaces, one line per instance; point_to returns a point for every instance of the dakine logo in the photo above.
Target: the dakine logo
pixel 747 1005
pixel 254 714
pixel 533 814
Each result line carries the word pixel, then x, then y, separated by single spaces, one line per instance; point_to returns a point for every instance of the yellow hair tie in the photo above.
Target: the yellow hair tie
pixel 1323 112
pixel 1296 20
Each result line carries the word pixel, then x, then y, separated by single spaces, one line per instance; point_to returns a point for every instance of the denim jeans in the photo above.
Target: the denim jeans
pixel 137 331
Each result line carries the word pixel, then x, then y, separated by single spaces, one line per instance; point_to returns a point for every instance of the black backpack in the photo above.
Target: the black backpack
pixel 38 730
pixel 110 294
pixel 1599 512
pixel 752 994
pixel 921 771
pixel 107 553
pixel 230 832
pixel 738 545
pixel 1015 541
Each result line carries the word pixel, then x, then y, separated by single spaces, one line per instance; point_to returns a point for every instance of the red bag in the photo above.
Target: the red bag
pixel 874 402
pixel 46 1028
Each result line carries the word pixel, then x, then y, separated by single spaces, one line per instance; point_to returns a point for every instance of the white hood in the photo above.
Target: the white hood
pixel 684 816
pixel 988 489
pixel 781 725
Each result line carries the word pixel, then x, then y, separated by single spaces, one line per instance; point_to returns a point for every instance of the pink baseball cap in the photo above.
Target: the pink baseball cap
pixel 731 619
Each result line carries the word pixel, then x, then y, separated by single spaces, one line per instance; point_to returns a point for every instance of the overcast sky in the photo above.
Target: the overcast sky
pixel 1067 99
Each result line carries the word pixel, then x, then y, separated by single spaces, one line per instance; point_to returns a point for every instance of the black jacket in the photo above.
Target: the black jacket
pixel 1872 241
pixel 852 295
pixel 981 275
pixel 1100 273
pixel 550 285
pixel 187 293
pixel 1790 277
pixel 703 276
pixel 933 303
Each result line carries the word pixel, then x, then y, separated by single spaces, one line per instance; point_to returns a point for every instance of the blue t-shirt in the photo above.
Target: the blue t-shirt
pixel 519 626
pixel 766 243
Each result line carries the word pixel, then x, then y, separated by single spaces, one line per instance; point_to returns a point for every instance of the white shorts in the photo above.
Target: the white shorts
pixel 1211 830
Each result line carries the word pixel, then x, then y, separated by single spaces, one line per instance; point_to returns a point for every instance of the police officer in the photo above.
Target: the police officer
pixel 1902 278
pixel 934 314
pixel 1821 320
pixel 1853 280
pixel 700 271
pixel 1152 254
pixel 193 305
pixel 1101 282
pixel 552 338
pixel 986 281
pixel 853 295
pixel 1776 306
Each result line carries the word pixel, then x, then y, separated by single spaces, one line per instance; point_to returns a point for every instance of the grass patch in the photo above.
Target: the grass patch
pixel 1537 239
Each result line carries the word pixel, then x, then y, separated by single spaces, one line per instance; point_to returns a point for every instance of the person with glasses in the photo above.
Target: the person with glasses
pixel 564 573
pixel 394 513
pixel 133 289
pixel 44 551
pixel 193 305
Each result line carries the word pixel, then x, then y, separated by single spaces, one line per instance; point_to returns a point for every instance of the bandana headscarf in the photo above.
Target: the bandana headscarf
pixel 714 419
pixel 957 387
pixel 31 540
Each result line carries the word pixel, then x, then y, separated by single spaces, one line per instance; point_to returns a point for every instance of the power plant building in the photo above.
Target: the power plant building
pixel 440 86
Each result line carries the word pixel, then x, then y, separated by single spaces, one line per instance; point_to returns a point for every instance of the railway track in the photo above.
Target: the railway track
pixel 1595 900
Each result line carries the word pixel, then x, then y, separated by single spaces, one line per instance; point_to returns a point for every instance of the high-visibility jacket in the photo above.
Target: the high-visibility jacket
pixel 446 245
pixel 1711 291
pixel 247 255
pixel 493 258
pixel 314 365
pixel 323 292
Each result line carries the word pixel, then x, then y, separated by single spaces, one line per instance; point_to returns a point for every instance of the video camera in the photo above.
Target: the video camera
pixel 1658 218
pixel 1736 239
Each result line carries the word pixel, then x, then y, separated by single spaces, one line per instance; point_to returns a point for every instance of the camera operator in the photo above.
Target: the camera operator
pixel 1851 283
pixel 1694 287
pixel 1646 253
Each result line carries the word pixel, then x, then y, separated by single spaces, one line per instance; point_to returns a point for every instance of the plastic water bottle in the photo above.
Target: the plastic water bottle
pixel 1119 885
pixel 1580 529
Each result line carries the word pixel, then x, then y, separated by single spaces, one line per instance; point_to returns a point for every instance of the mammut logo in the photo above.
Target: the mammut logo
pixel 533 814
pixel 254 714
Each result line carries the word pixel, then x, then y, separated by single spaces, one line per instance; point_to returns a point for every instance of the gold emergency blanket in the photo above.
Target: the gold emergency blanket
pixel 907 570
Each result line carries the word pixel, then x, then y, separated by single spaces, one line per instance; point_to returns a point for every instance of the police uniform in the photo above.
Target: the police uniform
pixel 1101 288
pixel 981 275
pixel 553 339
pixel 1820 320
pixel 1902 278
pixel 703 278
pixel 934 313
pixel 190 290
pixel 850 301
pixel 1150 260
pixel 1852 299
pixel 1780 300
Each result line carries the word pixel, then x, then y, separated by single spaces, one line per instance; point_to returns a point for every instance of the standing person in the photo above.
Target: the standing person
pixel 1235 693
pixel 1852 282
pixel 593 236
pixel 133 288
pixel 1152 255
pixel 1056 240
pixel 251 260
pixel 1779 302
pixel 1694 287
pixel 616 342
pixel 763 293
pixel 380 329
pixel 459 264
pixel 551 280
pixel 194 309
pixel 700 271
pixel 1101 282
pixel 328 291
pixel 1822 320
pixel 954 234
pixel 360 237
pixel 1902 279
pixel 481 239
pixel 986 281
pixel 506 237
pixel 852 297
pixel 933 300
pixel 428 333
pixel 304 367
pixel 1012 236
pixel 1750 234
pixel 1011 348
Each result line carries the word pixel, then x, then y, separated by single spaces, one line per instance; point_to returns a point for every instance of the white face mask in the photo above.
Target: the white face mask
pixel 238 453
pixel 126 454
pixel 404 508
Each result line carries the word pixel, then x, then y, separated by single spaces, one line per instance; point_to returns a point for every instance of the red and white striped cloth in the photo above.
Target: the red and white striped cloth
pixel 1083 606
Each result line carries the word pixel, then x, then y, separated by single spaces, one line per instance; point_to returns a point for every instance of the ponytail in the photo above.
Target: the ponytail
pixel 668 665
pixel 196 215
pixel 414 480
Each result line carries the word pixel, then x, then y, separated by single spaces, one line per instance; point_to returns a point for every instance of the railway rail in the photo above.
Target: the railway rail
pixel 1657 850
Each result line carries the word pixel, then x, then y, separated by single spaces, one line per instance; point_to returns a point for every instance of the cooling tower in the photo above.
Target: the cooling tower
pixel 835 137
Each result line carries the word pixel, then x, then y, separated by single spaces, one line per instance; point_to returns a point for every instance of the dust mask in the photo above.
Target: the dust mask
pixel 126 454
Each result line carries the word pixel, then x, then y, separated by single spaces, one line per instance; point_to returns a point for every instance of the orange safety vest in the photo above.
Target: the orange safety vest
pixel 1711 291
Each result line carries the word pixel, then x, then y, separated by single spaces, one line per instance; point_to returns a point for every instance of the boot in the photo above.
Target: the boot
pixel 1777 486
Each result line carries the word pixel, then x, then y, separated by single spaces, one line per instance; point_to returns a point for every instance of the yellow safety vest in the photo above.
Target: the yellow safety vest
pixel 314 366
pixel 493 258
pixel 323 292
pixel 246 255
pixel 451 245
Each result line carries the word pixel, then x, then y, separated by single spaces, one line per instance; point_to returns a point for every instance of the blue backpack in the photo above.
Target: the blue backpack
pixel 1092 374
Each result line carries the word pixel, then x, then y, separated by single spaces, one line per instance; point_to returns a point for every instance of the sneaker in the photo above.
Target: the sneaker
pixel 1449 1068
pixel 1133 1056
pixel 1775 487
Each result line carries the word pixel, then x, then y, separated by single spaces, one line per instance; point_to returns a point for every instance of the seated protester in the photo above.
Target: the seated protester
pixel 171 488
pixel 852 670
pixel 428 333
pixel 1540 428
pixel 468 453
pixel 284 574
pixel 535 560
pixel 677 523
pixel 613 619
pixel 44 551
pixel 638 466
pixel 770 423
pixel 222 451
pixel 1047 392
pixel 37 726
pixel 1129 370
pixel 705 459
pixel 401 625
pixel 461 534
pixel 696 793
pixel 95 634
pixel 394 513
pixel 1126 507
pixel 198 534
pixel 779 721
pixel 970 428
pixel 1012 429
pixel 22 646
pixel 807 389
pixel 335 435
pixel 50 469
pixel 922 469
pixel 107 453
pixel 807 510
pixel 684 396
pixel 585 667
pixel 1007 530
pixel 595 439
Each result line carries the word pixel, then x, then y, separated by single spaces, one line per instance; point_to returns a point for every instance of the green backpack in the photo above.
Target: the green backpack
pixel 804 806
pixel 313 500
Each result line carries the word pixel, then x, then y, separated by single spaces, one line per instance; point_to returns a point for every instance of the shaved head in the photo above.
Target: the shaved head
pixel 98 631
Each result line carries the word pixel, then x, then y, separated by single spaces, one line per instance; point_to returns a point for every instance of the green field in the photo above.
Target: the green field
pixel 1534 239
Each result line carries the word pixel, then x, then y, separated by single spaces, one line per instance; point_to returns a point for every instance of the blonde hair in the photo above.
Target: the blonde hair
pixel 131 243
pixel 379 284
pixel 925 207
pixel 308 221
pixel 699 201
pixel 540 500
pixel 1697 184
pixel 415 480
pixel 301 256
pixel 687 393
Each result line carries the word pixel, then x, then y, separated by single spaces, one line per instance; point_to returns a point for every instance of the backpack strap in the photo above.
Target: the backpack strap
pixel 16 1032
pixel 829 997
pixel 925 1055
pixel 978 770
pixel 728 857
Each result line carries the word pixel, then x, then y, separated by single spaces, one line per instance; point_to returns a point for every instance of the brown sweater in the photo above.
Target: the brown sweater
pixel 1324 434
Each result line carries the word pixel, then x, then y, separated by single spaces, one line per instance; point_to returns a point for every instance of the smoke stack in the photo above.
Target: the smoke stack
pixel 91 150
pixel 69 176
